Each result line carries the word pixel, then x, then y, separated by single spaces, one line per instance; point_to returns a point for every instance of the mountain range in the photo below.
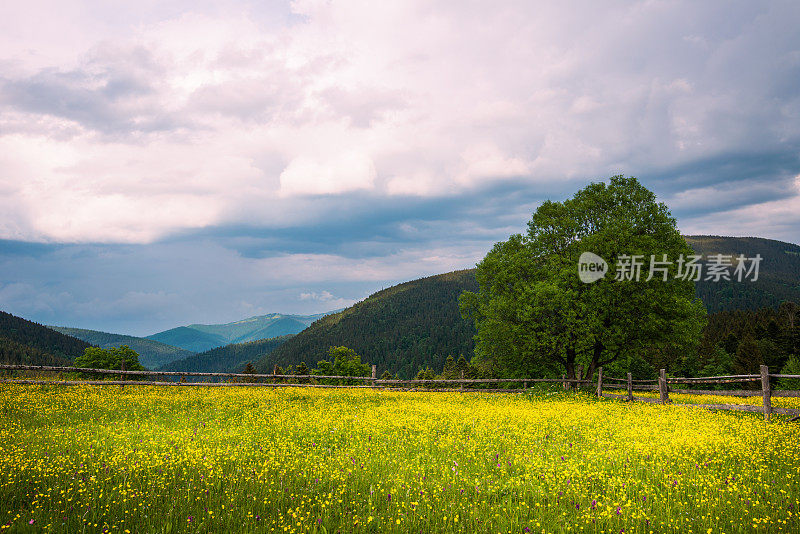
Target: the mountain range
pixel 152 354
pixel 400 329
pixel 184 342
pixel 203 337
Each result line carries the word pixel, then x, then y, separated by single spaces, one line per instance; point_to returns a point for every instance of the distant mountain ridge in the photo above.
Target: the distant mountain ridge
pixel 24 342
pixel 152 354
pixel 188 338
pixel 203 337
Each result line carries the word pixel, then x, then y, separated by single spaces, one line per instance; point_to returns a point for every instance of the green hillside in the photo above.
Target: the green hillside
pixel 399 329
pixel 779 275
pixel 26 342
pixel 203 337
pixel 152 354
pixel 230 358
pixel 418 323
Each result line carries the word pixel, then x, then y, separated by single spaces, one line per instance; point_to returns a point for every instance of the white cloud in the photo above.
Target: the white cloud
pixel 349 171
pixel 419 183
pixel 324 296
pixel 126 125
pixel 331 269
pixel 485 161
pixel 778 219
pixel 327 299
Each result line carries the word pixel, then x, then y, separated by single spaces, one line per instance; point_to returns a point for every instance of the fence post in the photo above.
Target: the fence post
pixel 579 376
pixel 600 382
pixel 663 392
pixel 564 381
pixel 767 392
pixel 122 376
pixel 524 384
pixel 630 387
pixel 461 384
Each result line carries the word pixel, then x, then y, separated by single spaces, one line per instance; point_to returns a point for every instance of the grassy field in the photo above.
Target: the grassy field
pixel 166 459
pixel 710 398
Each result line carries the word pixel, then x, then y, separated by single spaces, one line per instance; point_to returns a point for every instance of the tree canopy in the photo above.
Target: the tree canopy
pixel 346 362
pixel 534 314
pixel 122 357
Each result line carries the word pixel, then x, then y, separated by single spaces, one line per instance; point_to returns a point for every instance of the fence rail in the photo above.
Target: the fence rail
pixel 708 378
pixel 373 379
pixel 715 380
pixel 662 384
pixel 482 380
pixel 632 381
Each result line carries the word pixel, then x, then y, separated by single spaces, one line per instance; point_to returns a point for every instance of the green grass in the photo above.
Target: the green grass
pixel 168 459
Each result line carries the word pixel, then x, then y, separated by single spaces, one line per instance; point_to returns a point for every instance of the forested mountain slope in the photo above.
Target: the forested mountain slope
pixel 778 280
pixel 399 328
pixel 26 342
pixel 230 358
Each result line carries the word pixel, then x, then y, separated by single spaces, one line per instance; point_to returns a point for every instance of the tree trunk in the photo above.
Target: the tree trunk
pixel 597 353
pixel 570 365
pixel 590 370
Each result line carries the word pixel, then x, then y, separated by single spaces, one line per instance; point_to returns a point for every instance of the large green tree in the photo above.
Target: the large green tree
pixel 535 316
pixel 122 357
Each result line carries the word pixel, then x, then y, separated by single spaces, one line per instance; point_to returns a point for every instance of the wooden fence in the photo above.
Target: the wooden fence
pixel 276 380
pixel 662 384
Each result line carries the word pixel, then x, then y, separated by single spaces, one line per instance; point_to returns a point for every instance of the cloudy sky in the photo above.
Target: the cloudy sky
pixel 174 162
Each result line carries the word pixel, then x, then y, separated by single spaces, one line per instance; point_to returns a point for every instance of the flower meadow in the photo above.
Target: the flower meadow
pixel 754 399
pixel 237 459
